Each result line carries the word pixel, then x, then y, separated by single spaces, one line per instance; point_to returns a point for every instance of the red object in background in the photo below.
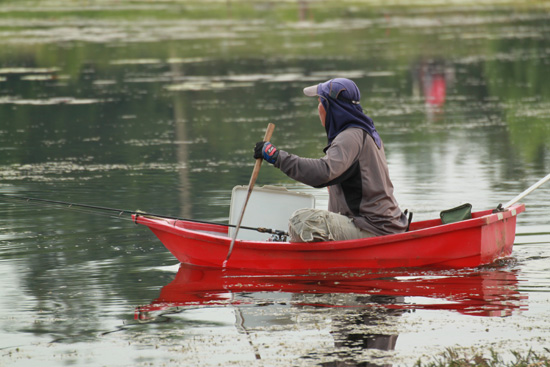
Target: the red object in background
pixel 437 90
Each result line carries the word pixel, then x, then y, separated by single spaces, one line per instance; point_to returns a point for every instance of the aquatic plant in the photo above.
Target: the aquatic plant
pixel 454 358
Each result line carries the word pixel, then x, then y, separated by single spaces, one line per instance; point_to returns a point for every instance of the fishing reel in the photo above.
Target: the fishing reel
pixel 278 236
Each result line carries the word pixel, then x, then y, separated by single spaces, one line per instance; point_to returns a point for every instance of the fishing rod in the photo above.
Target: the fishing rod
pixel 121 212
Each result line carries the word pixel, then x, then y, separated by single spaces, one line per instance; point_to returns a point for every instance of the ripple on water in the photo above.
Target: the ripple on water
pixel 50 101
pixel 67 170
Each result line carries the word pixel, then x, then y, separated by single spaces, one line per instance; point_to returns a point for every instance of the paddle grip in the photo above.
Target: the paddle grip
pixel 258 164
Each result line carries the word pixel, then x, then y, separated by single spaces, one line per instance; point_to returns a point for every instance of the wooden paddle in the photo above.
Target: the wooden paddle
pixel 257 165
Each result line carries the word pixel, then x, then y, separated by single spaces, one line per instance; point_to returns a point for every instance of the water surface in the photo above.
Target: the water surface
pixel 157 108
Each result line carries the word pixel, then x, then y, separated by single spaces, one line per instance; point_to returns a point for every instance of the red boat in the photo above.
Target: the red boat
pixel 484 238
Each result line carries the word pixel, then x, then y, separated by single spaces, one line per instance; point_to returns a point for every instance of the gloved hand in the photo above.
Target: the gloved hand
pixel 267 151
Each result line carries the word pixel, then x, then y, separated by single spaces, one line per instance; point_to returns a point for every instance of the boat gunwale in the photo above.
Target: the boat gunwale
pixel 479 219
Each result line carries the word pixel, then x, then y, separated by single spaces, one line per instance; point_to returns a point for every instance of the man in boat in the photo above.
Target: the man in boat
pixel 354 169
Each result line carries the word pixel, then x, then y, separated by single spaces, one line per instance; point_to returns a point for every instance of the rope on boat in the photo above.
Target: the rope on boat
pixel 86 208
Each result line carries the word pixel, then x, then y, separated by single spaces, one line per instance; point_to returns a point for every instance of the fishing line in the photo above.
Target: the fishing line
pixel 93 209
pixel 78 209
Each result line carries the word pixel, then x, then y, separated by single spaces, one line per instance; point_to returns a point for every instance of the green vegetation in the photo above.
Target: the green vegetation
pixel 278 11
pixel 453 358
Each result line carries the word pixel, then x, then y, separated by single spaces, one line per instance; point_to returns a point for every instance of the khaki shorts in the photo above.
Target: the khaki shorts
pixel 312 225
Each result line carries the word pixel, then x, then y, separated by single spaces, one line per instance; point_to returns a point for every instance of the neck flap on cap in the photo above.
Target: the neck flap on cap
pixel 341 97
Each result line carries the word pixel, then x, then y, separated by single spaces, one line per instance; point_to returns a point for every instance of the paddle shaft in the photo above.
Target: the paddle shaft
pixel 527 192
pixel 257 165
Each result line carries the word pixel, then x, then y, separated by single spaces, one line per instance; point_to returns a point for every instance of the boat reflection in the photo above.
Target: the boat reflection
pixel 355 316
pixel 484 291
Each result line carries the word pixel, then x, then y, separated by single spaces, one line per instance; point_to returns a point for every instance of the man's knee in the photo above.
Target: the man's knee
pixel 309 225
pixel 313 225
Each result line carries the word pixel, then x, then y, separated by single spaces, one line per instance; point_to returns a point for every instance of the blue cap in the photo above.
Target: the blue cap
pixel 339 88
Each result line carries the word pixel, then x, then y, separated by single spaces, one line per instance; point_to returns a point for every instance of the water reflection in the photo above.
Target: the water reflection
pixel 181 135
pixel 362 309
pixel 431 78
pixel 485 291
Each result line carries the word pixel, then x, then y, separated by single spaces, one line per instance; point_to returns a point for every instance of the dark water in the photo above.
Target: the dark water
pixel 157 107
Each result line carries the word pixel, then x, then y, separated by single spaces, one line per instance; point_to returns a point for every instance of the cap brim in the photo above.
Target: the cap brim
pixel 311 91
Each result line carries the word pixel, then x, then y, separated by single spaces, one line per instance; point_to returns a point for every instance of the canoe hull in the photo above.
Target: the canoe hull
pixel 481 240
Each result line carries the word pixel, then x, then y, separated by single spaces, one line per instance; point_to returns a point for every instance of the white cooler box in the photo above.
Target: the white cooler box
pixel 268 207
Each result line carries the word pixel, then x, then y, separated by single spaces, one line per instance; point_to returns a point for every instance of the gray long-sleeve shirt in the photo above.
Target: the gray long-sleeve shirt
pixel 356 172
